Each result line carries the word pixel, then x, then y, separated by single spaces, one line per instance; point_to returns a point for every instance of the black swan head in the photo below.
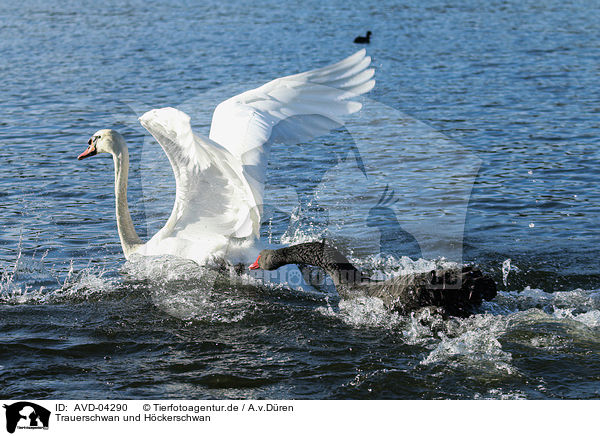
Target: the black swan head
pixel 268 260
pixel 319 254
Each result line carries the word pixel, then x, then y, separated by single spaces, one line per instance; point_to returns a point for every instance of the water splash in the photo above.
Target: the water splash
pixel 301 235
pixel 190 292
pixel 362 312
pixel 579 300
pixel 29 280
pixel 505 270
pixel 89 283
pixel 25 274
pixel 478 341
pixel 474 340
pixel 590 319
pixel 384 267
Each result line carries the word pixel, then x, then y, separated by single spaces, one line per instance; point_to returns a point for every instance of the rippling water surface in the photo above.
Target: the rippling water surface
pixel 483 122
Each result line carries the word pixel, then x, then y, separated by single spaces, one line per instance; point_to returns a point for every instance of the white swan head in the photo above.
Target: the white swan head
pixel 104 141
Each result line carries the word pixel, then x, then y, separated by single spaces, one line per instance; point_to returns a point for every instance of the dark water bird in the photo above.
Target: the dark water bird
pixel 456 291
pixel 393 239
pixel 363 39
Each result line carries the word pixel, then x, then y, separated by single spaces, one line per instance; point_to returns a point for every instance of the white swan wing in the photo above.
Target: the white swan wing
pixel 289 109
pixel 213 201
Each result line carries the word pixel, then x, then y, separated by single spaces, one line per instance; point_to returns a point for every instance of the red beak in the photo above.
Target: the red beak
pixel 255 265
pixel 90 151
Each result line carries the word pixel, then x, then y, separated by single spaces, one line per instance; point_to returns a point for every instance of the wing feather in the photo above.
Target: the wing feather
pixel 249 119
pixel 220 179
pixel 212 194
pixel 290 109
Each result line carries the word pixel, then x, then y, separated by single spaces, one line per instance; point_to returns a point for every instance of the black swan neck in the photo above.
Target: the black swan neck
pixel 322 255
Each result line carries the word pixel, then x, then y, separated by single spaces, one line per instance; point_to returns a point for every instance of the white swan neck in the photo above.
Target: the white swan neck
pixel 130 240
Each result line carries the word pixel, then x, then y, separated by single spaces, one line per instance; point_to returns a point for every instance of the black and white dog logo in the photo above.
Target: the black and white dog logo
pixel 26 415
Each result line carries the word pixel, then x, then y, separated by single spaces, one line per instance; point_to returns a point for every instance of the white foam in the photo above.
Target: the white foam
pixel 499 394
pixel 300 236
pixel 579 300
pixel 477 340
pixel 162 268
pixel 201 304
pixel 21 278
pixel 187 291
pixel 472 340
pixel 84 285
pixel 384 267
pixel 420 327
pixel 590 319
pixel 505 270
pixel 363 312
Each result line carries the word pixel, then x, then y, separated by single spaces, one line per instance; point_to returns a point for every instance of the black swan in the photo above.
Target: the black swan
pixel 456 291
pixel 363 39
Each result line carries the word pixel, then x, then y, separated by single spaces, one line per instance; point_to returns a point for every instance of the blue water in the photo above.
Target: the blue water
pixel 484 122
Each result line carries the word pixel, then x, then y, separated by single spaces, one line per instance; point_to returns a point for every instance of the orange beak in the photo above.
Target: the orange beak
pixel 255 265
pixel 90 151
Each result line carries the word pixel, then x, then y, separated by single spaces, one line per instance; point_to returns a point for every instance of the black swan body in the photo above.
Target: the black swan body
pixel 363 39
pixel 456 291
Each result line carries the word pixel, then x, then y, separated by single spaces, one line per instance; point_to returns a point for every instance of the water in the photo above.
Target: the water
pixel 484 122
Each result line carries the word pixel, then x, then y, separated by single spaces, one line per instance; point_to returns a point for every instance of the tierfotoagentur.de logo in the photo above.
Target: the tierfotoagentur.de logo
pixel 26 415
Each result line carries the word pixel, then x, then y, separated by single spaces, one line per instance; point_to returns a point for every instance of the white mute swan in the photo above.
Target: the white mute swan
pixel 220 180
